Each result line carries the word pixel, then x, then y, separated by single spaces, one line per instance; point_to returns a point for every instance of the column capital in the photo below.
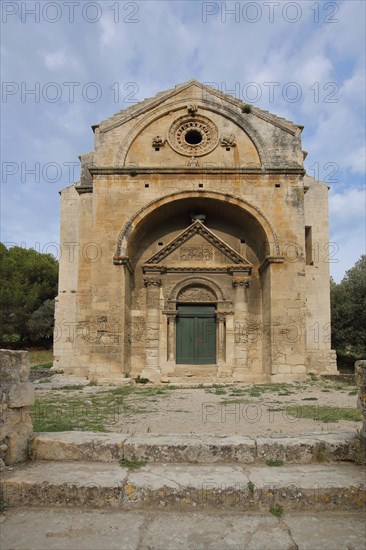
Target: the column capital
pixel 241 282
pixel 152 281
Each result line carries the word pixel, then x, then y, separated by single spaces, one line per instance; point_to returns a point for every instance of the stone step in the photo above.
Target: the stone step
pixel 195 448
pixel 194 371
pixel 52 528
pixel 186 487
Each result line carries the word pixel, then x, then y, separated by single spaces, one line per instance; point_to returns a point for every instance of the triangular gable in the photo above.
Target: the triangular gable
pixel 151 103
pixel 197 228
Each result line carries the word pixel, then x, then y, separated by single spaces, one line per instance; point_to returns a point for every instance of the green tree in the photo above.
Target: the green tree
pixel 348 302
pixel 28 279
pixel 41 322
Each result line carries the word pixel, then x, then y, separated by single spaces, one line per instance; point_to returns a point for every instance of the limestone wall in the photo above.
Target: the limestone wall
pixel 16 396
pixel 320 357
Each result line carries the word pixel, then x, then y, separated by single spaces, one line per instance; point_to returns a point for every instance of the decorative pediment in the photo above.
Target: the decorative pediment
pixel 197 248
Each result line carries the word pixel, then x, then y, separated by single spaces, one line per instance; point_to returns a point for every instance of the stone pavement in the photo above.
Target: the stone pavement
pixel 55 529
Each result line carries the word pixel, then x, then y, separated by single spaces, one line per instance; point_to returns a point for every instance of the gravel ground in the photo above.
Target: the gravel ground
pixel 228 409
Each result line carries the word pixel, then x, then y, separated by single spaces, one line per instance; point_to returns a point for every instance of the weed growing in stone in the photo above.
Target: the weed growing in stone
pixel 277 510
pixel 132 464
pixel 274 462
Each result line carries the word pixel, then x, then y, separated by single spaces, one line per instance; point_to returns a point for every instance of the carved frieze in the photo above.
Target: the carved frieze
pixel 200 253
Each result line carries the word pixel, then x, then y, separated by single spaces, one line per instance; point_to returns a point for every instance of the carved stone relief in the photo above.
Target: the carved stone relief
pixel 196 294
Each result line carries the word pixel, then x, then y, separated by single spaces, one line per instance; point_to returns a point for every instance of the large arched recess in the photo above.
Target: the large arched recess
pixel 173 212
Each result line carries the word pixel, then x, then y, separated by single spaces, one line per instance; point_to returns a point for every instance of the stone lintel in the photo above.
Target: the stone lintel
pixel 154 268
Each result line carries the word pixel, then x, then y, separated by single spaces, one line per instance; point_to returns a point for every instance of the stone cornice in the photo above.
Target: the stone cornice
pixel 81 189
pixel 136 170
pixel 271 260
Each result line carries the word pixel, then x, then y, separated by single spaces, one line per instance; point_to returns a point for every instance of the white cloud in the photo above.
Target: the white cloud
pixel 169 45
pixel 55 59
pixel 347 212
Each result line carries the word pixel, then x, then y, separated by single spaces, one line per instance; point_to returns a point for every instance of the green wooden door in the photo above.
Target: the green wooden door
pixel 196 335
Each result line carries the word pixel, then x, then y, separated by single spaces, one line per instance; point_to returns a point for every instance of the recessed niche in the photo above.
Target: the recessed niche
pixel 147 184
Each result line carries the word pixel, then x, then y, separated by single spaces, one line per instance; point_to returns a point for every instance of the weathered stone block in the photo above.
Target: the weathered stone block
pixel 178 448
pixel 17 396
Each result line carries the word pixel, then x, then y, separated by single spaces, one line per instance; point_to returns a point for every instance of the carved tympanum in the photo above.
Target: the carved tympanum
pixel 196 294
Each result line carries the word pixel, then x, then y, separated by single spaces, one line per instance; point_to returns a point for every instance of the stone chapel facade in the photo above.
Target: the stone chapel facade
pixel 194 248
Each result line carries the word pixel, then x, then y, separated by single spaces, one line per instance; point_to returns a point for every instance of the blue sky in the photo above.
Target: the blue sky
pixel 86 61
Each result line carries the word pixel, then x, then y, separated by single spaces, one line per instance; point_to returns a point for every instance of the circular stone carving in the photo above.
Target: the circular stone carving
pixel 193 135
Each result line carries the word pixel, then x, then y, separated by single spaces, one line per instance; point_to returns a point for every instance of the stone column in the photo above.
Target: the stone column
pixel 220 319
pixel 241 285
pixel 152 370
pixel 171 337
pixel 360 371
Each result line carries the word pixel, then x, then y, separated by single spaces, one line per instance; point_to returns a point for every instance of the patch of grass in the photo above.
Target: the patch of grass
pixel 258 389
pixel 234 401
pixel 353 392
pixel 274 462
pixel 246 108
pixel 324 390
pixel 132 464
pixel 42 366
pixel 309 399
pixel 73 387
pixel 217 390
pixel 277 510
pixel 40 356
pixel 120 391
pixel 92 383
pixel 325 413
pixel 97 412
pixel 251 486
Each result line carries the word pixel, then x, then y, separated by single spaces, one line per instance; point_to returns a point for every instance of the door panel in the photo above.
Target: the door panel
pixel 196 335
pixel 205 340
pixel 185 336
